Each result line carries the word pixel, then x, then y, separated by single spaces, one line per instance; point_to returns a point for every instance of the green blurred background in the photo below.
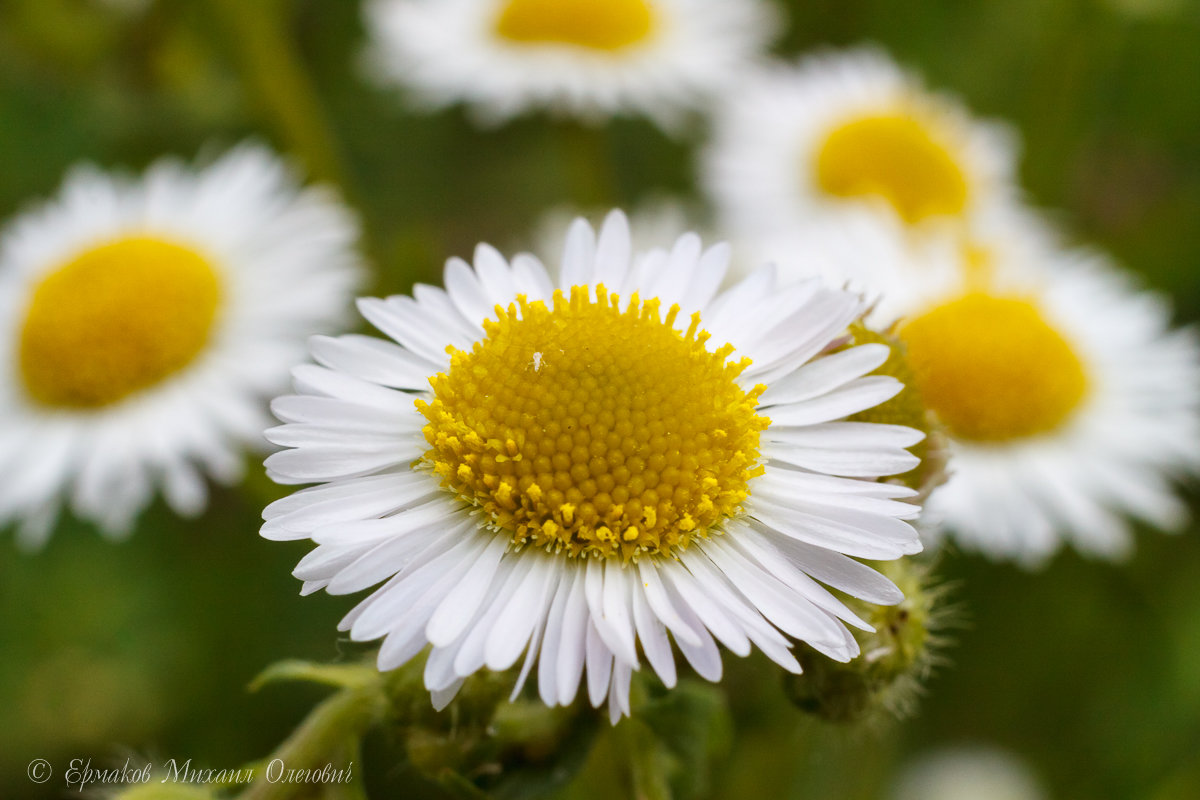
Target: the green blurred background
pixel 1089 672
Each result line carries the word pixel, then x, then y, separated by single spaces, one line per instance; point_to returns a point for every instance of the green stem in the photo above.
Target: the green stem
pixel 274 73
pixel 646 761
pixel 587 155
pixel 330 732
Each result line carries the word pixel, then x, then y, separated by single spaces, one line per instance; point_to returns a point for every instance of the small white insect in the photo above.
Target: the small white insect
pixel 538 361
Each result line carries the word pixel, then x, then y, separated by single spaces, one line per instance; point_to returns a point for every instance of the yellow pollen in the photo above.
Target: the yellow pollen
pixel 993 368
pixel 115 320
pixel 616 452
pixel 893 156
pixel 607 25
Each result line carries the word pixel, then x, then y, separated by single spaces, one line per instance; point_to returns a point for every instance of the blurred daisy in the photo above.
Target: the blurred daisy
pixel 795 145
pixel 568 470
pixel 977 772
pixel 1068 400
pixel 146 321
pixel 872 254
pixel 584 58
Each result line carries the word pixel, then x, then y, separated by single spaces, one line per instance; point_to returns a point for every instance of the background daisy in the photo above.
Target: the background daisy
pixel 1068 401
pixel 795 145
pixel 593 470
pixel 144 321
pixel 584 58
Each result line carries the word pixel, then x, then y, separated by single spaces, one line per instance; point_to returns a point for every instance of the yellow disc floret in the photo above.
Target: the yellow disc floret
pixel 993 369
pixel 895 157
pixel 606 25
pixel 116 319
pixel 590 430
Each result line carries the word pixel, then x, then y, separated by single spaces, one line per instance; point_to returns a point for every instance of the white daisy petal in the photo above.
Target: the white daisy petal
pixel 704 657
pixel 516 622
pixel 858 395
pixel 599 665
pixel 579 255
pixel 374 360
pixel 653 636
pixel 813 380
pixel 613 251
pixel 423 334
pixel 472 653
pixel 684 589
pixel 465 289
pixel 494 275
pixel 552 640
pixel 460 606
pixel 710 272
pixel 531 278
pixel 148 319
pixel 573 644
pixel 332 412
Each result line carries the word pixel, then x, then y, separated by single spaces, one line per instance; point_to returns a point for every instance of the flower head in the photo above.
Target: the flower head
pixel 1067 400
pixel 570 470
pixel 584 58
pixel 797 145
pixel 146 322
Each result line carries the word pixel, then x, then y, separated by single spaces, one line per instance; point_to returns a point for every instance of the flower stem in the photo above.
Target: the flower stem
pixel 273 72
pixel 588 166
pixel 645 759
pixel 330 733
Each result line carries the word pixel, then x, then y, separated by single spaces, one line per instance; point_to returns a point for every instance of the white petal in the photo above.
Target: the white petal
pixel 661 604
pixel 826 374
pixel 464 289
pixel 552 640
pixel 599 666
pixel 374 360
pixel 573 648
pixel 856 396
pixel 684 589
pixel 454 613
pixel 521 615
pixel 653 636
pixel 579 256
pixel 494 275
pixel 613 251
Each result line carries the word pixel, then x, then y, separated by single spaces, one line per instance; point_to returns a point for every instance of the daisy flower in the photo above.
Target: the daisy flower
pixel 796 145
pixel 147 321
pixel 570 470
pixel 1069 402
pixel 584 58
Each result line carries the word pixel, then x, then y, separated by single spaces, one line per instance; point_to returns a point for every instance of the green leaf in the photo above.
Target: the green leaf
pixel 341 676
pixel 692 724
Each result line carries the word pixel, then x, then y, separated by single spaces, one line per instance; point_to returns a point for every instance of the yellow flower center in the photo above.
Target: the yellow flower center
pixel 993 368
pixel 608 25
pixel 893 156
pixel 116 319
pixel 595 431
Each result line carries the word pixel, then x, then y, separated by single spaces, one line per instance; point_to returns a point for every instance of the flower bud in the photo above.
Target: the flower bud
pixel 886 678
